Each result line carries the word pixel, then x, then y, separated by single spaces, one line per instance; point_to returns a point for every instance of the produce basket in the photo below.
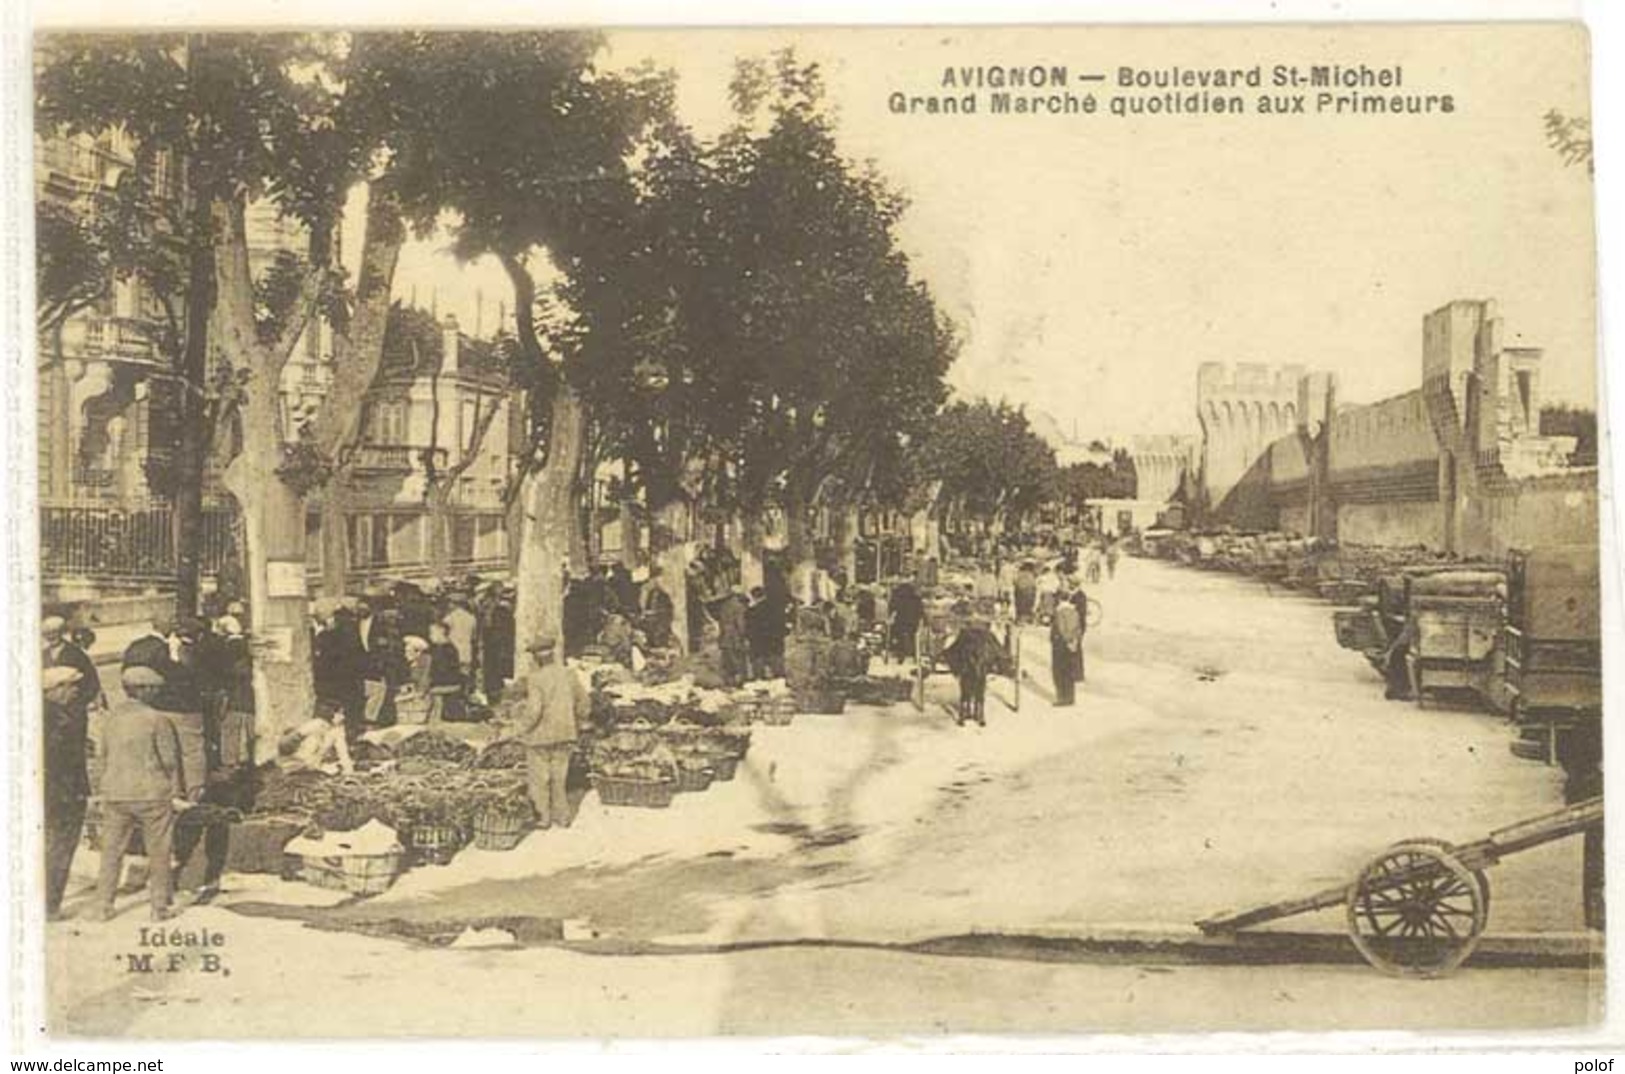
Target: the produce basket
pixel 435 844
pixel 641 793
pixel 501 829
pixel 780 711
pixel 724 768
pixel 694 777
pixel 358 874
pixel 824 701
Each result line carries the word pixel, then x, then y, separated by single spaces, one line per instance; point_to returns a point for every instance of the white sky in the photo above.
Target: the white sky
pixel 1093 263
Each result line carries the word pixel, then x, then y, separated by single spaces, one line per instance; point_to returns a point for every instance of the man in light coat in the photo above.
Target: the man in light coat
pixel 549 724
pixel 140 781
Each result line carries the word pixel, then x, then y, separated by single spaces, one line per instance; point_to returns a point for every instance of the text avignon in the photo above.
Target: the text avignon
pixel 1032 76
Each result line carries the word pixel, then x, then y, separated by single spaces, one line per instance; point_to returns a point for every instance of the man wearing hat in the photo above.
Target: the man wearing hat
pixel 67 787
pixel 71 686
pixel 549 722
pixel 162 650
pixel 139 782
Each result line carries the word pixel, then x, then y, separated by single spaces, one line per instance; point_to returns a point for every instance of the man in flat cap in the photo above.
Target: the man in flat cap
pixel 139 781
pixel 549 723
pixel 67 784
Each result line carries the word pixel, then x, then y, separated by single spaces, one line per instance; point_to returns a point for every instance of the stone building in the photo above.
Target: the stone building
pixel 106 533
pixel 1241 410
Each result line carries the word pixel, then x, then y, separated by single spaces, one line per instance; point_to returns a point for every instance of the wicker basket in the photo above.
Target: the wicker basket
pixel 692 778
pixel 358 874
pixel 500 830
pixel 641 793
pixel 724 768
pixel 824 701
pixel 435 844
pixel 779 711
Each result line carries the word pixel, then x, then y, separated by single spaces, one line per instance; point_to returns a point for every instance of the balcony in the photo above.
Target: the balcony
pixel 393 458
pixel 94 477
pixel 384 459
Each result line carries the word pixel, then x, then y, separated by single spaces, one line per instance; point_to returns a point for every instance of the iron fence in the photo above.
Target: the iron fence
pixel 133 545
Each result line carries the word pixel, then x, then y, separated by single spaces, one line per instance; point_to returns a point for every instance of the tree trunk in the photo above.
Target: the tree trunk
pixel 439 520
pixel 673 550
pixel 798 548
pixel 274 550
pixel 846 541
pixel 631 536
pixel 273 514
pixel 548 524
pixel 335 537
pixel 583 542
pixel 196 430
pixel 752 570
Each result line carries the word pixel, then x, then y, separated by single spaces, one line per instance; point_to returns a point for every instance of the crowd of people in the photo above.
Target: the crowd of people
pixel 179 738
pixel 404 654
pixel 1037 582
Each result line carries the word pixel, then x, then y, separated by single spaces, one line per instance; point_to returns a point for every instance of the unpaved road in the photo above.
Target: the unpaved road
pixel 1224 752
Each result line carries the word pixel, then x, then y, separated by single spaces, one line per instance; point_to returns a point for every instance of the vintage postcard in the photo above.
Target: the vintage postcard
pixel 548 533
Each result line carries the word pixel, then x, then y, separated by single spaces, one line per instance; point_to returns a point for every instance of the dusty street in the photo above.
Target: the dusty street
pixel 1224 751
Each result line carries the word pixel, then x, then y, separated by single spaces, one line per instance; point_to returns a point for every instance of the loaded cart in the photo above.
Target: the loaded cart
pixel 1553 657
pixel 1419 908
pixel 1456 616
pixel 944 619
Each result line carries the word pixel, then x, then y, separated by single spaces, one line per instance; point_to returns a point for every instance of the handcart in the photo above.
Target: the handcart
pixel 937 630
pixel 1419 908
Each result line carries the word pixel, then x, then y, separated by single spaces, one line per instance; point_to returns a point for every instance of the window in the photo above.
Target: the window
pixel 389 422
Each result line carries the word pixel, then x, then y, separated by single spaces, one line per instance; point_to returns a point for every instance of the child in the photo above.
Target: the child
pixel 412 702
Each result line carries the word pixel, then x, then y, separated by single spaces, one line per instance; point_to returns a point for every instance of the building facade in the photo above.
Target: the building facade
pixel 107 534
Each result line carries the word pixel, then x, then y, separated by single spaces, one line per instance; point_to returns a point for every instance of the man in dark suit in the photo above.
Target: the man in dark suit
pixel 161 650
pixel 71 687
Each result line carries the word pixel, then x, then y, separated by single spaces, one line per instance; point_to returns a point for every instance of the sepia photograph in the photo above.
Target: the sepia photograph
pixel 642 533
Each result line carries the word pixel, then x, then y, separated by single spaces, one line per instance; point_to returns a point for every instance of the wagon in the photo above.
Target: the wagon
pixel 1419 908
pixel 1457 616
pixel 1552 642
pixel 937 630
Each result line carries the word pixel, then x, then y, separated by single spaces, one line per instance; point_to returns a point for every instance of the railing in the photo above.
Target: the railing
pixel 123 544
pixel 392 458
pixel 130 545
pixel 94 477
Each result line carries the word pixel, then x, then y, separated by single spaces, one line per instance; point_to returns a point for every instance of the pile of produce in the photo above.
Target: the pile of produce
pixel 367 755
pixel 413 792
pixel 622 702
pixel 506 753
pixel 633 751
pixel 435 746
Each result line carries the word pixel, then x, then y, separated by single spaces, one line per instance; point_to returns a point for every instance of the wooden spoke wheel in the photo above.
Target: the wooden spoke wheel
pixel 1416 911
pixel 1450 848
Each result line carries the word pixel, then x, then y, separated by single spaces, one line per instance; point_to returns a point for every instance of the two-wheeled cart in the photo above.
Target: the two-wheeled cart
pixel 1419 908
